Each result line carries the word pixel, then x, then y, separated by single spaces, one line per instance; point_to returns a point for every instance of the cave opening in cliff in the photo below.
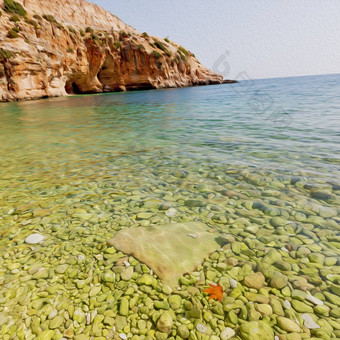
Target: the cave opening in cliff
pixel 72 88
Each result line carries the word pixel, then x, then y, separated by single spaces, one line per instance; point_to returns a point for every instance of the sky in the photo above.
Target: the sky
pixel 239 39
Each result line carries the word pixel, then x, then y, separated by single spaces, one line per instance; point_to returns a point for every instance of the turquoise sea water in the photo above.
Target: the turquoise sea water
pixel 279 125
pixel 259 160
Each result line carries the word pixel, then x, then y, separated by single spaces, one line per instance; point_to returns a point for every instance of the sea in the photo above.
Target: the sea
pixel 257 160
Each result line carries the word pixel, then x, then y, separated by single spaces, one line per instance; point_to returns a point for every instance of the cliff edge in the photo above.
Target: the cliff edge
pixel 54 48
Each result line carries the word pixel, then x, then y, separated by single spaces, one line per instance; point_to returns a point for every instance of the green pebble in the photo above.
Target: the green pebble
pixel 144 216
pixel 183 331
pixel 332 298
pixel 299 295
pixel 175 301
pixel 279 281
pixel 301 307
pixel 316 258
pixel 95 290
pixel 109 321
pixel 335 312
pixel 56 322
pixel 335 289
pixel 256 330
pixel 78 315
pixel 164 323
pixel 41 274
pixel 322 310
pixel 124 307
pixel 46 335
pixel 146 279
pixel 288 325
pixel 81 337
pixel 120 322
pixel 277 307
pixel 211 275
pixel 126 275
pixel 141 324
pixel 264 309
pixel 166 289
pixel 161 305
pixel 108 276
pixel 61 269
pixel 80 284
pixel 232 317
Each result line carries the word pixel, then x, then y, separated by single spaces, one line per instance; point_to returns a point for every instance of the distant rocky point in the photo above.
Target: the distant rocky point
pixel 58 47
pixel 229 81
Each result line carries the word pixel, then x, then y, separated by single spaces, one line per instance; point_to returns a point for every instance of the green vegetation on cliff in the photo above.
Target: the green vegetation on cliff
pixel 14 7
pixel 5 54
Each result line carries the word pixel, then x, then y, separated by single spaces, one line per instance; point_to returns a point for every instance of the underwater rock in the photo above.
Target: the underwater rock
pixel 167 249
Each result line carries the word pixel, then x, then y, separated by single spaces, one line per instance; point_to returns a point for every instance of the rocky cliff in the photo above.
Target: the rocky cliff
pixel 53 48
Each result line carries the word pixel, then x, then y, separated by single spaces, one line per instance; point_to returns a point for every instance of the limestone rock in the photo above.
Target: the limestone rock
pixel 54 57
pixel 167 249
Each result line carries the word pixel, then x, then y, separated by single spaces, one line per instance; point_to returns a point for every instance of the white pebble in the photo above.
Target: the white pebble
pixel 99 257
pixel 233 283
pixel 122 336
pixel 276 337
pixel 314 300
pixel 34 238
pixel 81 257
pixel 88 318
pixel 127 264
pixel 10 211
pixel 171 212
pixel 287 304
pixel 26 222
pixel 227 333
pixel 309 322
pixel 201 328
pixel 285 249
pixel 192 235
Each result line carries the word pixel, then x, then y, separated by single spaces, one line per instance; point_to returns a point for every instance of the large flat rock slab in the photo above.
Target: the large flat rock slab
pixel 169 250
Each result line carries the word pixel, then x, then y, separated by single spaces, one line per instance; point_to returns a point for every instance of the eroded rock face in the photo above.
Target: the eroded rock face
pixel 53 56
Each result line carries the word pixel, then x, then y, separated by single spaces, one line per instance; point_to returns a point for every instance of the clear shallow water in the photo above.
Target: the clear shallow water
pixel 77 169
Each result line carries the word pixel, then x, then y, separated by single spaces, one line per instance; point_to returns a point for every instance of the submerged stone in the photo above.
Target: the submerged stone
pixel 34 238
pixel 309 322
pixel 256 330
pixel 255 280
pixel 167 249
pixel 164 323
pixel 288 325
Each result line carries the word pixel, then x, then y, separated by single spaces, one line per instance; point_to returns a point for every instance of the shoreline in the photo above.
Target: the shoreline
pixel 225 81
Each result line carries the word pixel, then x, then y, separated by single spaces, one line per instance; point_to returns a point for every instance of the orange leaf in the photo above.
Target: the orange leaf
pixel 214 292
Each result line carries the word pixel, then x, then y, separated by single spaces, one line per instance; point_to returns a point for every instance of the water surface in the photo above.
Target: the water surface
pixel 257 160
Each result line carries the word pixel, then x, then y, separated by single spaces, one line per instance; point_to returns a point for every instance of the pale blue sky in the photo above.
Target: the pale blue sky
pixel 265 38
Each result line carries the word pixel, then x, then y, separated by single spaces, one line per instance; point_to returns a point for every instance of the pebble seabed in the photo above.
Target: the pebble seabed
pixel 280 266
